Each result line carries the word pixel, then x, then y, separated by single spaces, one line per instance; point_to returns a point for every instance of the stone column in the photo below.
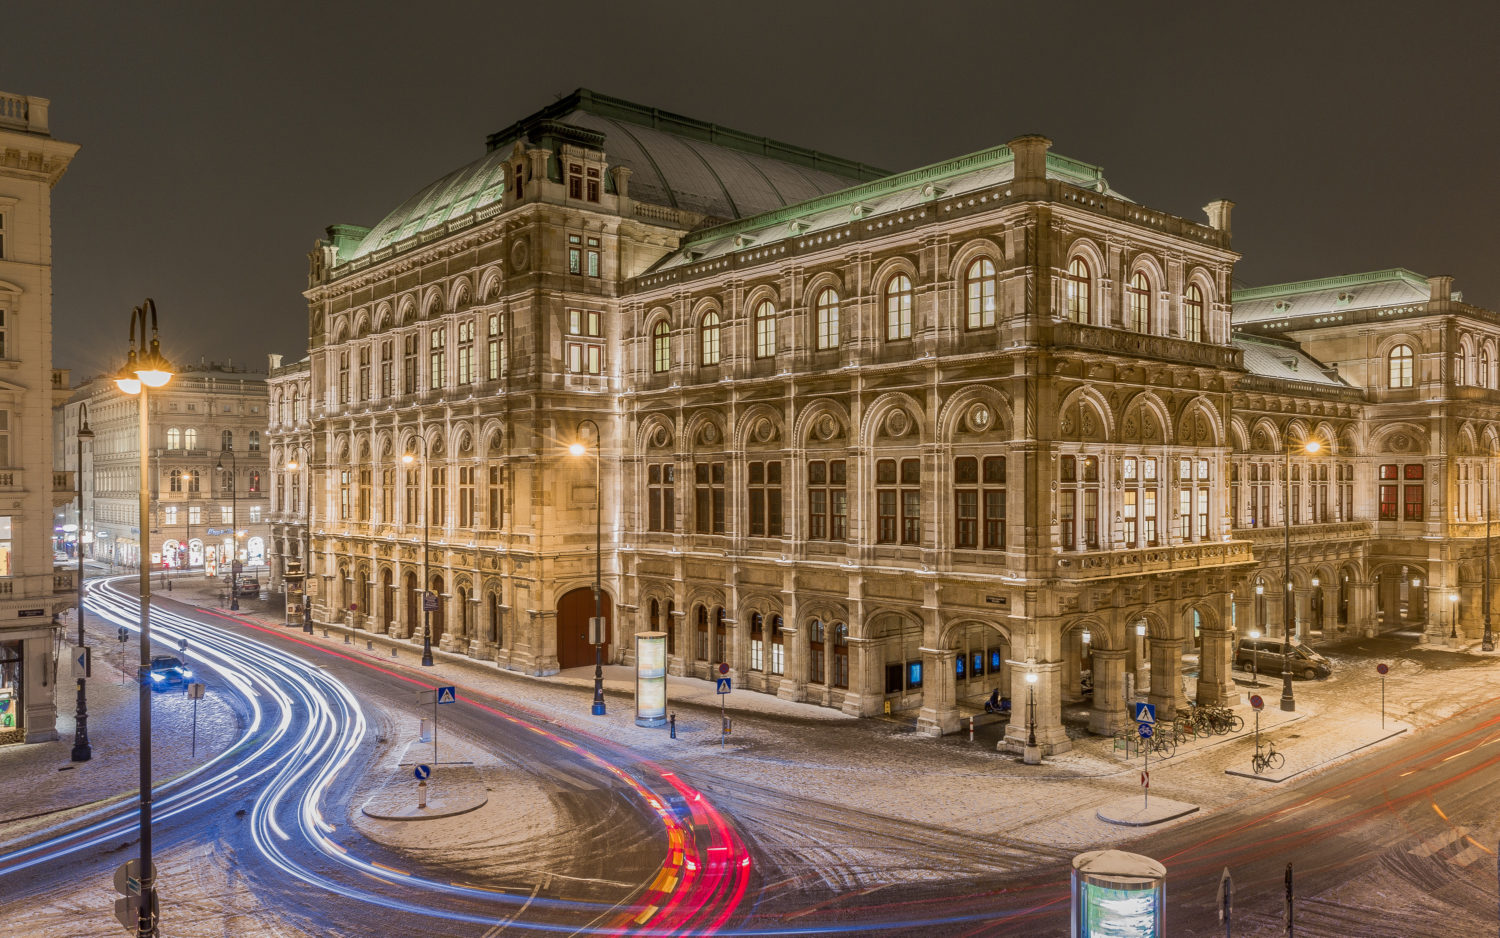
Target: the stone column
pixel 1142 665
pixel 400 628
pixel 1050 736
pixel 1244 613
pixel 1330 611
pixel 1362 609
pixel 1166 677
pixel 1216 686
pixel 479 635
pixel 1073 662
pixel 793 684
pixel 939 714
pixel 1109 715
pixel 866 692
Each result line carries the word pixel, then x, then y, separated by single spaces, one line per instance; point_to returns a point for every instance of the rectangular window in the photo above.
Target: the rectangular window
pixel 591 190
pixel 974 493
pixel 1387 472
pixel 495 347
pixel 255 514
pixel 661 497
pixel 466 352
pixel 364 373
pixel 409 364
pixel 195 515
pixel 898 501
pixel 1388 510
pixel 591 256
pixel 911 501
pixel 494 499
pixel 575 254
pixel 1066 509
pixel 343 494
pixel 1148 516
pixel 708 497
pixel 585 358
pixel 1091 519
pixel 467 514
pixel 575 181
pixel 1129 516
pixel 365 478
pixel 1202 513
pixel 387 370
pixel 764 491
pixel 1184 514
pixel 438 495
pixel 171 515
pixel 343 377
pixel 387 496
pixel 437 359
pixel 1413 510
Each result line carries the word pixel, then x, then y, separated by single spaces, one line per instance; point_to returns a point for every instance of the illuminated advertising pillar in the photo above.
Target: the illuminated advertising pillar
pixel 651 679
pixel 1119 895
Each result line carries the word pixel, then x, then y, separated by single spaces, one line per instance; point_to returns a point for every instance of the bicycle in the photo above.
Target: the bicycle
pixel 1160 743
pixel 1270 759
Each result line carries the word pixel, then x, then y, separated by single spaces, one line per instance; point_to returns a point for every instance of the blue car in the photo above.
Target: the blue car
pixel 169 671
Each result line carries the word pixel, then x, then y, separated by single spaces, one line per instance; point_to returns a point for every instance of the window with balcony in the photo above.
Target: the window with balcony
pixel 1138 301
pixel 190 438
pixel 1078 502
pixel 174 438
pixel 254 441
pixel 1193 312
pixel 226 441
pixel 827 500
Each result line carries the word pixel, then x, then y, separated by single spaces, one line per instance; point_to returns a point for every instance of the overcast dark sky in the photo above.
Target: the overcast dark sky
pixel 219 139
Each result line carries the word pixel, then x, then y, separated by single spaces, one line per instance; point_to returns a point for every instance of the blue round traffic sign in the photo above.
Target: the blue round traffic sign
pixel 422 772
pixel 1145 731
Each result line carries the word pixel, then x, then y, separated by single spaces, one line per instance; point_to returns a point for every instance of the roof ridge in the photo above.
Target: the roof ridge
pixel 1410 277
pixel 682 126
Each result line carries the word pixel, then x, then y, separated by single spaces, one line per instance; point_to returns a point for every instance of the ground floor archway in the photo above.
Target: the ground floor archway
pixel 574 609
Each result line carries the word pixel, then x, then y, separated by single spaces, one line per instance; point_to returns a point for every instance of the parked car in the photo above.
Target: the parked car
pixel 169 671
pixel 249 586
pixel 1269 654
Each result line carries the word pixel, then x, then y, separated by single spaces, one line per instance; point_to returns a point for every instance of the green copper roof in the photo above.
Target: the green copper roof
pixel 1412 278
pixel 1380 288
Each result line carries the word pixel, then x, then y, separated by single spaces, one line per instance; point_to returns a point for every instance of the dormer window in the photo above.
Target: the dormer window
pixel 575 180
pixel 1282 306
pixel 591 186
pixel 1344 299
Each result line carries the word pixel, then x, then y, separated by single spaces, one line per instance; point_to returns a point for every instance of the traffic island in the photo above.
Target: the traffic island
pixel 1131 812
pixel 450 789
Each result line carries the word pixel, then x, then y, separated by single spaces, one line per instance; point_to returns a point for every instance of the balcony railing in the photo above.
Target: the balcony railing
pixel 1104 564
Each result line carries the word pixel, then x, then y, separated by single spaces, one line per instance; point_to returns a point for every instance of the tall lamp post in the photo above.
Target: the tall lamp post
pixel 1453 614
pixel 408 459
pixel 1289 598
pixel 187 511
pixel 139 375
pixel 82 751
pixel 1490 640
pixel 596 627
pixel 234 530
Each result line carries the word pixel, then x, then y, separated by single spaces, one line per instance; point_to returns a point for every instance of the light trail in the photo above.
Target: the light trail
pixel 304 730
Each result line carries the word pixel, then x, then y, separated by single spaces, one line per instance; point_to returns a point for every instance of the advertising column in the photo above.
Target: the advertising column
pixel 650 678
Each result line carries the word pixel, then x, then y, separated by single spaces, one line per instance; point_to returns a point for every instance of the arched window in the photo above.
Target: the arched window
pixel 661 347
pixel 898 308
pixel 1193 311
pixel 828 319
pixel 979 286
pixel 193 479
pixel 1483 378
pixel 254 441
pixel 174 438
pixel 1401 370
pixel 840 677
pixel 226 440
pixel 174 480
pixel 708 333
pixel 1139 295
pixel 757 642
pixel 765 329
pixel 778 646
pixel 816 637
pixel 190 438
pixel 1460 368
pixel 1080 291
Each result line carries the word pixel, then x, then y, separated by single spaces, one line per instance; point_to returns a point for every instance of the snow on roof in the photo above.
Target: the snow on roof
pixel 1271 359
pixel 1394 287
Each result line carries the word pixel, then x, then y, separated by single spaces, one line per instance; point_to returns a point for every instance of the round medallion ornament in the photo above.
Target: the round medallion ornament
pixel 709 434
pixel 520 255
pixel 980 418
pixel 763 431
pixel 660 438
pixel 826 428
pixel 898 423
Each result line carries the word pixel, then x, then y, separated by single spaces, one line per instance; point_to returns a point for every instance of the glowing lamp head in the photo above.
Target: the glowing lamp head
pixel 1087 636
pixel 1140 629
pixel 1255 633
pixel 155 377
pixel 1031 677
pixel 408 458
pixel 1312 446
pixel 1260 589
pixel 1453 597
pixel 577 449
pixel 291 464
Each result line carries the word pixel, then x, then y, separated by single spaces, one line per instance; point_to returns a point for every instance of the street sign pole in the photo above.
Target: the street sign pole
pixel 1226 902
pixel 1383 668
pixel 1288 912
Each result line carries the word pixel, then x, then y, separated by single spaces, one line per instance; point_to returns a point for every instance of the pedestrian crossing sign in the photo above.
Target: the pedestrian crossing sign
pixel 1145 713
pixel 723 683
pixel 447 694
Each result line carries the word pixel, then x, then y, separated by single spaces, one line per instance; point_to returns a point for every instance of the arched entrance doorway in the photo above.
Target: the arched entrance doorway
pixel 436 616
pixel 574 610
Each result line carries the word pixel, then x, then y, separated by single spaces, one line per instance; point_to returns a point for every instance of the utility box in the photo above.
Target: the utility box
pixel 1118 895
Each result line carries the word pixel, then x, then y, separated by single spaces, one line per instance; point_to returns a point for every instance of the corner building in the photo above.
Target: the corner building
pixel 881 442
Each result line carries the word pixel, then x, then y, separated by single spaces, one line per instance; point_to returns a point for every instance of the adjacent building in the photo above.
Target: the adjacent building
pixel 881 442
pixel 31 590
pixel 209 482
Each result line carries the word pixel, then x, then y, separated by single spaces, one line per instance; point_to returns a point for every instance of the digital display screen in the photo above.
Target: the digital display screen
pixel 914 674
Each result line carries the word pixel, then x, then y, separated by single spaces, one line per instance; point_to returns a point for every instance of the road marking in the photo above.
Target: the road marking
pixel 1469 854
pixel 1439 842
pixel 1457 754
pixel 500 925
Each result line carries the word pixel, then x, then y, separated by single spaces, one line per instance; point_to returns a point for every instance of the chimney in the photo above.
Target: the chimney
pixel 622 181
pixel 1030 154
pixel 1218 214
pixel 1440 289
pixel 273 361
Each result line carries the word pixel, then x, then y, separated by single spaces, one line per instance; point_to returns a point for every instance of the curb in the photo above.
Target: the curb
pixel 1305 769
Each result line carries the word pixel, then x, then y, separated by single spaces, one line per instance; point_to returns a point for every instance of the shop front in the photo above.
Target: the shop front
pixel 12 702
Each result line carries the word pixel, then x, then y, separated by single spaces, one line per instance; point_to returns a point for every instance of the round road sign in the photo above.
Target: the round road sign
pixel 1145 731
pixel 723 669
pixel 1382 668
pixel 422 772
pixel 1256 702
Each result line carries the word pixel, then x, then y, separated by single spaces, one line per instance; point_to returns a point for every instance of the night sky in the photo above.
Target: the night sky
pixel 220 139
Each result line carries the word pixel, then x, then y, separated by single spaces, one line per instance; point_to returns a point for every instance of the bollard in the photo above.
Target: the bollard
pixel 971 727
pixel 393 651
pixel 348 639
pixel 672 722
pixel 369 644
pixel 422 793
pixel 325 631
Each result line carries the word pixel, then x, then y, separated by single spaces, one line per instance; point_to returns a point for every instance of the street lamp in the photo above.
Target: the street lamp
pixel 140 374
pixel 234 533
pixel 187 482
pixel 1453 603
pixel 596 627
pixel 1254 659
pixel 82 751
pixel 1289 598
pixel 407 458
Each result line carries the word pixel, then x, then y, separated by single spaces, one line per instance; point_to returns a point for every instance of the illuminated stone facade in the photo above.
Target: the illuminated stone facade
pixel 886 445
